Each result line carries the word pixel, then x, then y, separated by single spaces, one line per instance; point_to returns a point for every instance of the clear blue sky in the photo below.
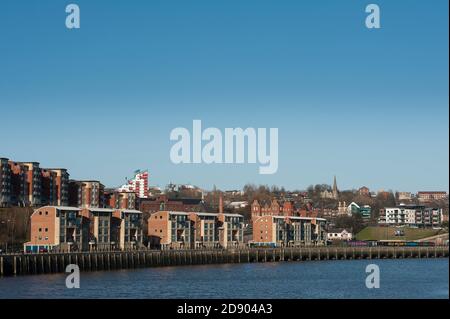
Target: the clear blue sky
pixel 369 106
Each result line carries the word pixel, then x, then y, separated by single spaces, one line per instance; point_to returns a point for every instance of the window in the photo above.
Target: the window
pixel 46 230
pixel 40 229
pixel 40 213
pixel 46 213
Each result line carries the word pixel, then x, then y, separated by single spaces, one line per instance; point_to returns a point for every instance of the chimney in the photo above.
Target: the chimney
pixel 220 204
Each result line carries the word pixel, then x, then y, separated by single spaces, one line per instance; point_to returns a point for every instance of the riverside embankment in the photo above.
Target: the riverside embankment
pixel 24 264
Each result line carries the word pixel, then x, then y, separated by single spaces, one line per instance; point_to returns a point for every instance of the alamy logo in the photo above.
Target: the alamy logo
pixel 373 19
pixel 373 279
pixel 73 279
pixel 73 19
pixel 229 150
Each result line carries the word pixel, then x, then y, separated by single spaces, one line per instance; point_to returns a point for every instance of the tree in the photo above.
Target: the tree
pixel 354 223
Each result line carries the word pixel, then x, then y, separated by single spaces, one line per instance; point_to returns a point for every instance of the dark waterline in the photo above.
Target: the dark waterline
pixel 407 278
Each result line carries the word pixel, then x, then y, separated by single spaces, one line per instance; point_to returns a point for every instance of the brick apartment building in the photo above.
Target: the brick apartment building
pixel 61 185
pixel 127 228
pixel 272 208
pixel 163 203
pixel 5 182
pixel 63 228
pixel 114 228
pixel 86 194
pixel 27 184
pixel 19 184
pixel 100 228
pixel 364 191
pixel 284 231
pixel 120 199
pixel 48 188
pixel 175 229
pixel 34 184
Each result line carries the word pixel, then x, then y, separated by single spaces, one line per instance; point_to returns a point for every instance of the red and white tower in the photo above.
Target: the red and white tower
pixel 138 184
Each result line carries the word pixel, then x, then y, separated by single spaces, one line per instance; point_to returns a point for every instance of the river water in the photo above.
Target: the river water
pixel 406 278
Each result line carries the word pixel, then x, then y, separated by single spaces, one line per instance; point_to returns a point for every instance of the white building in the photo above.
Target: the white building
pixel 353 208
pixel 339 234
pixel 400 215
pixel 411 215
pixel 236 205
pixel 138 184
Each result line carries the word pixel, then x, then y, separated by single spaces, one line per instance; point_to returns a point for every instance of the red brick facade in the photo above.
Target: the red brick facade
pixel 162 203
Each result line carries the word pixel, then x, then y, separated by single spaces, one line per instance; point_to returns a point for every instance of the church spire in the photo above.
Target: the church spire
pixel 335 189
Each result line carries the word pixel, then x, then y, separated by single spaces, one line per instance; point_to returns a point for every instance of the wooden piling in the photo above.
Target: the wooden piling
pixel 94 261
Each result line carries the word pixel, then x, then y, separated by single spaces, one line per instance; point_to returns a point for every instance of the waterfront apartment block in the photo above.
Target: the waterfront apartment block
pixel 205 230
pixel 64 228
pixel 231 230
pixel 86 194
pixel 289 231
pixel 58 228
pixel 112 229
pixel 189 230
pixel 411 215
pixel 100 228
pixel 127 228
pixel 5 182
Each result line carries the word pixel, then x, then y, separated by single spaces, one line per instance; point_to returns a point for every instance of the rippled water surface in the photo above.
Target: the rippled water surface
pixel 408 278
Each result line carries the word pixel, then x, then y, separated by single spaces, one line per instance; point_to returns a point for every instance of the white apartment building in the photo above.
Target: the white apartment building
pixel 399 215
pixel 411 215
